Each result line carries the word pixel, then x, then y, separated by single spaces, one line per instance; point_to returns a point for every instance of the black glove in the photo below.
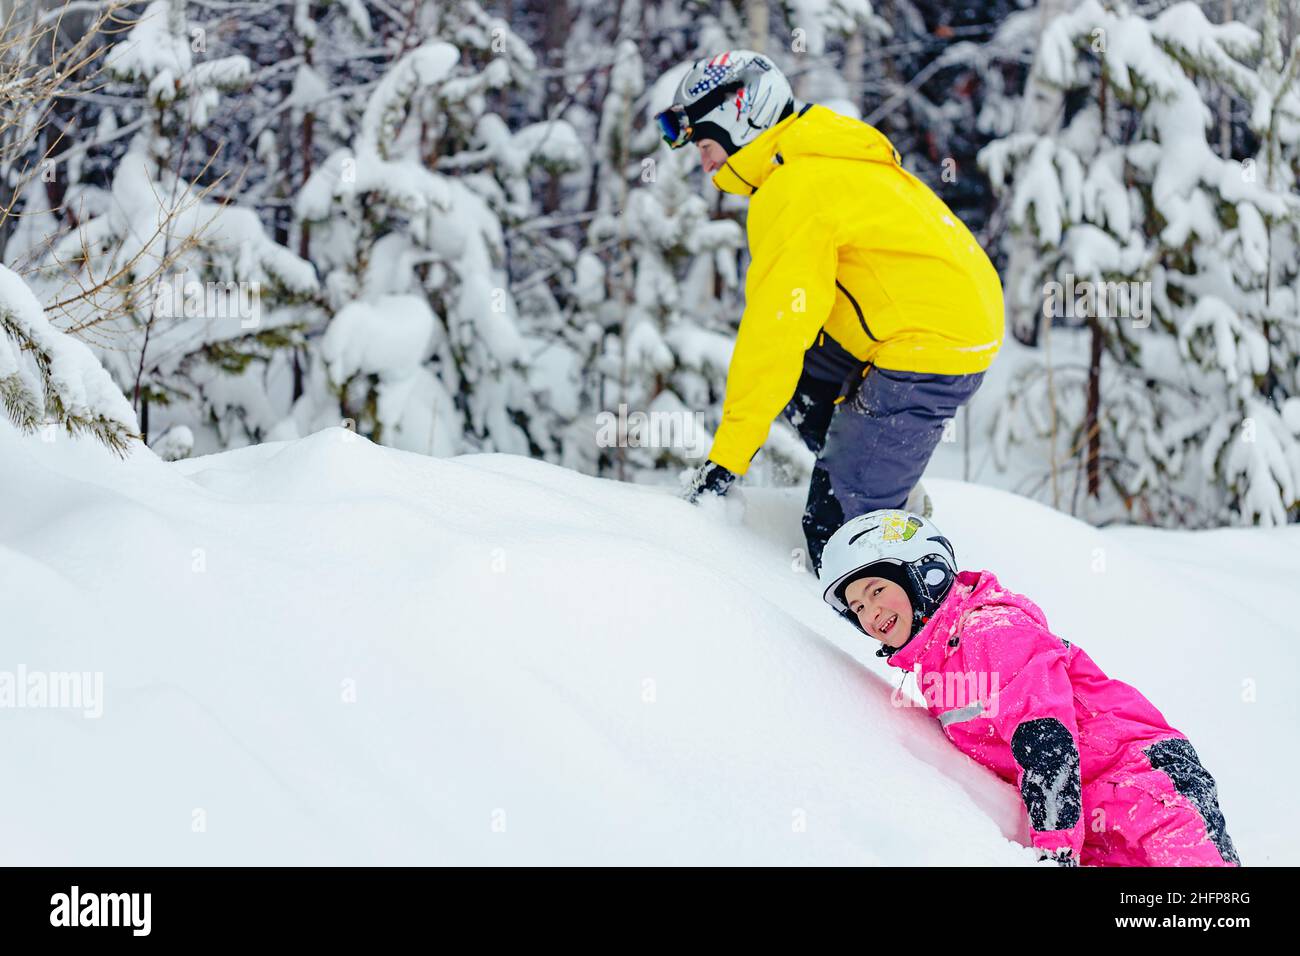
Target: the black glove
pixel 711 479
pixel 1062 857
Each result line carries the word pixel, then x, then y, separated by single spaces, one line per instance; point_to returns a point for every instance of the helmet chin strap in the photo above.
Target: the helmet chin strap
pixel 918 622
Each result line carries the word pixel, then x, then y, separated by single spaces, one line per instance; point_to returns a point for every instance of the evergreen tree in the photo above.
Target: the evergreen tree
pixel 426 348
pixel 179 294
pixel 1179 406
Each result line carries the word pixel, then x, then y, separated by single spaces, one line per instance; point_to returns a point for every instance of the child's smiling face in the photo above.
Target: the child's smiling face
pixel 882 608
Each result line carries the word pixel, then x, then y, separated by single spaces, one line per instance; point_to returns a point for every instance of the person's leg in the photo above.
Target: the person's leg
pixel 809 411
pixel 822 515
pixel 877 446
pixel 829 370
pixel 1105 842
pixel 1160 808
pixel 1199 835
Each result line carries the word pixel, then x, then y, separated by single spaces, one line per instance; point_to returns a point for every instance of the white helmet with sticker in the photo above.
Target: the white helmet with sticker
pixel 730 98
pixel 897 545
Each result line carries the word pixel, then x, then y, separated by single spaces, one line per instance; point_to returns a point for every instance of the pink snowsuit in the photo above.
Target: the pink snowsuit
pixel 1101 773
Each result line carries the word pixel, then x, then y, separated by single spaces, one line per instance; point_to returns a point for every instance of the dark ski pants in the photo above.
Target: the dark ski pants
pixel 873 446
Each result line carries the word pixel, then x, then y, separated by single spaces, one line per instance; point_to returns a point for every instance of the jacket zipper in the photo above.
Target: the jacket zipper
pixel 857 309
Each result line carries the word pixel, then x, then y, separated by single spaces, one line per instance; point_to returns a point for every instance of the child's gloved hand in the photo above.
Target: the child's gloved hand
pixel 709 479
pixel 1061 857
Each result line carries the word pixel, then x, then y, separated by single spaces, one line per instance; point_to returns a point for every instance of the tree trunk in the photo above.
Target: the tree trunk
pixel 756 14
pixel 1040 113
pixel 554 34
pixel 304 230
pixel 1092 420
pixel 1225 103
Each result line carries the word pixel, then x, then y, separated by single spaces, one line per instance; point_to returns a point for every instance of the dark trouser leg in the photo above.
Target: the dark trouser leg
pixel 877 446
pixel 810 412
pixel 822 515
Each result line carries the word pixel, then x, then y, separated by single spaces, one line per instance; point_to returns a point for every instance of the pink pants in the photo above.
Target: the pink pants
pixel 1159 807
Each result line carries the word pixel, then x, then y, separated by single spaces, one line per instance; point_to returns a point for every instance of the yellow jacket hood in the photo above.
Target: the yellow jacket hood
pixel 817 131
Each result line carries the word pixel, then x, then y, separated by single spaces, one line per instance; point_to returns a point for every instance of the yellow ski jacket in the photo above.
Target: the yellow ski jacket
pixel 842 238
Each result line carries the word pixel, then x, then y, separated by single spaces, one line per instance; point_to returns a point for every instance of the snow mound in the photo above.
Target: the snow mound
pixel 326 651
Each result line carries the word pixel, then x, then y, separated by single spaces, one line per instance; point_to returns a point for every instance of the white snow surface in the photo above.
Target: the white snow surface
pixel 327 651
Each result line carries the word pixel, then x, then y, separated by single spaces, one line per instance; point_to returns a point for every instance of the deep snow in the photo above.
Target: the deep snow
pixel 326 651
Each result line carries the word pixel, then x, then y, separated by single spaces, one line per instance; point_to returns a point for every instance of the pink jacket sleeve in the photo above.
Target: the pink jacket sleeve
pixel 1033 713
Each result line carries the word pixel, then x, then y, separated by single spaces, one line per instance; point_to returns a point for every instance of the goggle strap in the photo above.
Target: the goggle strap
pixel 710 101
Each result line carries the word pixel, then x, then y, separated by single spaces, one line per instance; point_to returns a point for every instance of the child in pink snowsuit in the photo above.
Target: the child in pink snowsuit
pixel 1104 778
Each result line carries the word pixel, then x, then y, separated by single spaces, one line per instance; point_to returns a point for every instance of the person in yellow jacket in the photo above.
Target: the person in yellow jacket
pixel 871 312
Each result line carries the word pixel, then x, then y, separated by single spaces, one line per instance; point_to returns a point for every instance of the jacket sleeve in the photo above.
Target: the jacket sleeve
pixel 789 291
pixel 1033 712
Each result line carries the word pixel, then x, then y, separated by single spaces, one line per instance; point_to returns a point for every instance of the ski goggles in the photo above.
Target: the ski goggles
pixel 675 126
pixel 677 123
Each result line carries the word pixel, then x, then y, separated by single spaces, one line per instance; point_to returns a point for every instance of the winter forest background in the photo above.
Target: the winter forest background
pixel 453 227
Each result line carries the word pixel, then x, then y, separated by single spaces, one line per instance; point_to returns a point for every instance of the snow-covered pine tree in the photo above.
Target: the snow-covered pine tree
pixel 184 298
pixel 49 380
pixel 426 348
pixel 533 179
pixel 822 45
pixel 670 284
pixel 1179 406
pixel 315 58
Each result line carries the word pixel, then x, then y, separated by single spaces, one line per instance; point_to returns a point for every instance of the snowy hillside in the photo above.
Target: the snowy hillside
pixel 327 651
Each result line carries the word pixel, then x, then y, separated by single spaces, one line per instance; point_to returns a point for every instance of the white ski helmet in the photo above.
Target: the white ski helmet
pixel 730 98
pixel 896 545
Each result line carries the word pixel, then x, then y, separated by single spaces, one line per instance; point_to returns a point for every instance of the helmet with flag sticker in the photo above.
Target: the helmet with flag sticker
pixel 730 98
